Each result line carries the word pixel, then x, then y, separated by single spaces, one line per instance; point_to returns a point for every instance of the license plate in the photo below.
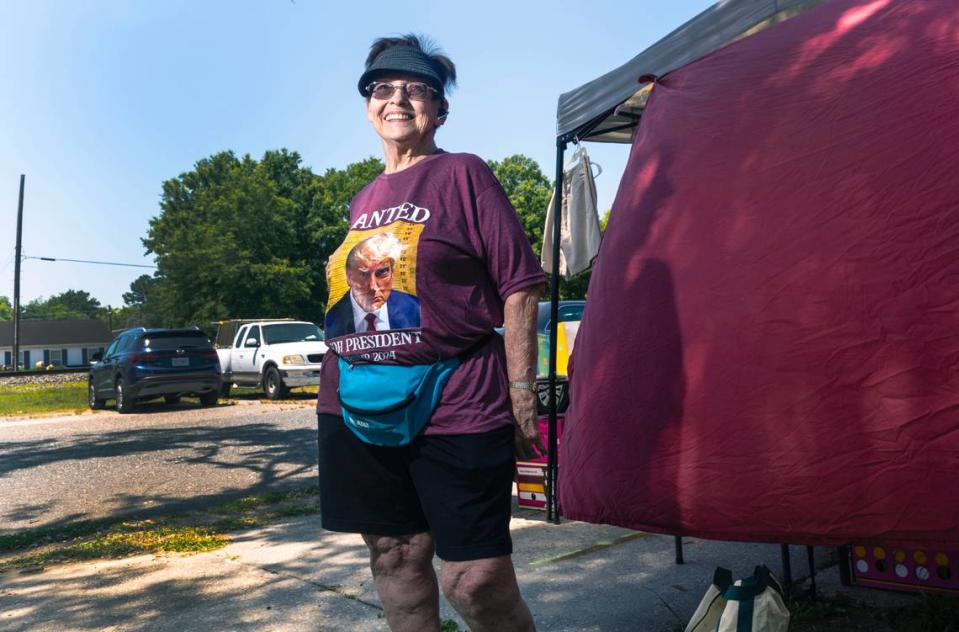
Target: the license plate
pixel 181 362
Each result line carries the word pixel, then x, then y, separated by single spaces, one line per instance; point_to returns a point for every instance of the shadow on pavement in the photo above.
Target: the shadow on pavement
pixel 275 458
pixel 213 591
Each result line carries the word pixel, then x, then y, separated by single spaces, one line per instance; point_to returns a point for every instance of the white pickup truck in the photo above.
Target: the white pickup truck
pixel 275 355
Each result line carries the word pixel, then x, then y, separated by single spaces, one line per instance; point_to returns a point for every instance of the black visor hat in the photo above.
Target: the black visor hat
pixel 402 59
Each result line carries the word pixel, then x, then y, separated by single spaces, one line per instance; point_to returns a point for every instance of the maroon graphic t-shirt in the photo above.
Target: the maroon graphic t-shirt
pixel 432 253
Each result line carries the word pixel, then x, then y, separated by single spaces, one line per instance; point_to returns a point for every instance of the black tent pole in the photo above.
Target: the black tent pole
pixel 787 568
pixel 552 507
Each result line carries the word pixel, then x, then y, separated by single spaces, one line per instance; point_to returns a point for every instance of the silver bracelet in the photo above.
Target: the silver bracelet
pixel 526 386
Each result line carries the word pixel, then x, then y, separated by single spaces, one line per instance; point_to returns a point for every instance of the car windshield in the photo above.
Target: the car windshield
pixel 291 332
pixel 568 311
pixel 173 340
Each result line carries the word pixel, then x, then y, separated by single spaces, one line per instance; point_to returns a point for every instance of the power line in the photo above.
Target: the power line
pixel 101 263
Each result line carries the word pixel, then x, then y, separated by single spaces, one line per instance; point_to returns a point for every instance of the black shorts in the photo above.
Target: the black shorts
pixel 459 487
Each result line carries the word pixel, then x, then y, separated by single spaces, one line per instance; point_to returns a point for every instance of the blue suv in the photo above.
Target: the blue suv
pixel 143 364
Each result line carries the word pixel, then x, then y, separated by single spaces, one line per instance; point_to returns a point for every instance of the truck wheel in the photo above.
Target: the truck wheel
pixel 209 398
pixel 95 402
pixel 125 403
pixel 273 384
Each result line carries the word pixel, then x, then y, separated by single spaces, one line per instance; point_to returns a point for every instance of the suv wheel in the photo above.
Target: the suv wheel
pixel 95 402
pixel 209 398
pixel 171 399
pixel 125 403
pixel 273 384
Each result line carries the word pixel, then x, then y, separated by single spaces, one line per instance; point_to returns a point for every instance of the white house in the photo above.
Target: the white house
pixel 54 342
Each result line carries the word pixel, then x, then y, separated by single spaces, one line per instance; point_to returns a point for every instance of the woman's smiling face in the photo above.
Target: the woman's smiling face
pixel 401 120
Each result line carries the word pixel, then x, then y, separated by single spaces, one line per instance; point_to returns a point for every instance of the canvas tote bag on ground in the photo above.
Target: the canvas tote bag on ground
pixel 710 609
pixel 753 604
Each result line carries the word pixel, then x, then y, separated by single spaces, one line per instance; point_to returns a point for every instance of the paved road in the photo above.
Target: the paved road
pixel 61 469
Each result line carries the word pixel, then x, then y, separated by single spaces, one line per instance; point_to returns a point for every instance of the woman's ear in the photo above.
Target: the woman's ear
pixel 443 112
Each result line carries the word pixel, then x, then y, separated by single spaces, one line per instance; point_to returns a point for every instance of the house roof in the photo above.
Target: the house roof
pixel 55 332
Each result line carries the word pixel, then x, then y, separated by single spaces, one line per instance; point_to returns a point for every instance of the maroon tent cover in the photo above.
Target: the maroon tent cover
pixel 770 348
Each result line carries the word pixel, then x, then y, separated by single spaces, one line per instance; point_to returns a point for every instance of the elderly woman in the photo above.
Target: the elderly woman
pixel 468 264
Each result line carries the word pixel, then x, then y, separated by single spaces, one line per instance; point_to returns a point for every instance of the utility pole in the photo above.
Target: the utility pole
pixel 16 280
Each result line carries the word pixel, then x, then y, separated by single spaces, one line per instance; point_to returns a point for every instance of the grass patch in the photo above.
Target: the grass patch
pixel 50 535
pixel 193 532
pixel 250 393
pixel 125 540
pixel 27 399
pixel 930 613
pixel 250 503
pixel 33 399
pixel 449 625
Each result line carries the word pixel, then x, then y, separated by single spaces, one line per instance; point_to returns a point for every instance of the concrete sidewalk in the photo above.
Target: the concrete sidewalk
pixel 294 576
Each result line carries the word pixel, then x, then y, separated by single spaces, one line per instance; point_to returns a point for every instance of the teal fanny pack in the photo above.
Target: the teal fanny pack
pixel 388 405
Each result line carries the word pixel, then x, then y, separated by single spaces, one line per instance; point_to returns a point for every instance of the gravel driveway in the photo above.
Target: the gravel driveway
pixel 62 468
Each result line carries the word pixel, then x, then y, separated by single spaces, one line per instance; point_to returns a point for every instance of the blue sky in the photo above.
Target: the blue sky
pixel 100 102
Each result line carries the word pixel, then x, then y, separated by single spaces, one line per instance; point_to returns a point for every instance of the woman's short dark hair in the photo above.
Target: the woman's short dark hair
pixel 443 64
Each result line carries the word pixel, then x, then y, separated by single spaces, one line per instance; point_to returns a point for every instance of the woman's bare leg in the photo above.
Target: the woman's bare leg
pixel 405 581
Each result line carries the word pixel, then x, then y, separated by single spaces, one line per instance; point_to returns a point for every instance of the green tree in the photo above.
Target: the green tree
pixel 77 301
pixel 529 191
pixel 115 317
pixel 224 241
pixel 69 304
pixel 139 291
pixel 141 308
pixel 241 238
pixel 6 309
pixel 37 308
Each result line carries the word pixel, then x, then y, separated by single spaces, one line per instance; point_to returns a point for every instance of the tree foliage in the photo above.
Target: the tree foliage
pixel 241 238
pixel 139 291
pixel 69 304
pixel 141 307
pixel 529 191
pixel 6 309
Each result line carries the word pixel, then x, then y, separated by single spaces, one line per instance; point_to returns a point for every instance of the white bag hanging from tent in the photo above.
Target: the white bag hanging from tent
pixel 579 228
pixel 753 604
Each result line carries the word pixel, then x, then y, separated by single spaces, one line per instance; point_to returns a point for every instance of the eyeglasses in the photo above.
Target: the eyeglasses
pixel 415 90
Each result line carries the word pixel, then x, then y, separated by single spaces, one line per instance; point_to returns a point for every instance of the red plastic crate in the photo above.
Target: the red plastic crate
pixel 531 475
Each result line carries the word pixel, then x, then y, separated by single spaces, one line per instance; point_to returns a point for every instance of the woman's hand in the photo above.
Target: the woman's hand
pixel 520 311
pixel 527 430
